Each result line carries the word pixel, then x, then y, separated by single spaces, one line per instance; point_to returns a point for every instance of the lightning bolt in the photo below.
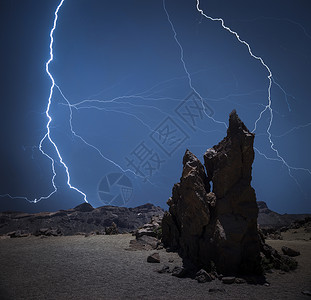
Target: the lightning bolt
pixel 47 136
pixel 185 67
pixel 47 112
pixel 144 97
pixel 268 107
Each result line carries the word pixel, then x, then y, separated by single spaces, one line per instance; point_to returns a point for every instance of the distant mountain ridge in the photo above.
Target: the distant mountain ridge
pixel 81 219
pixel 270 219
pixel 85 219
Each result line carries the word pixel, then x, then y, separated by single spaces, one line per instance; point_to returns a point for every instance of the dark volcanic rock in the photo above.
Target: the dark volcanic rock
pixel 272 259
pixel 144 242
pixel 290 252
pixel 218 227
pixel 153 258
pixel 228 280
pixel 84 207
pixel 202 276
pixel 113 229
pixel 148 236
pixel 83 218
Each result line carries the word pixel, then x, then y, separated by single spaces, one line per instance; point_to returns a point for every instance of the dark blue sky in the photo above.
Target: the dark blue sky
pixel 119 66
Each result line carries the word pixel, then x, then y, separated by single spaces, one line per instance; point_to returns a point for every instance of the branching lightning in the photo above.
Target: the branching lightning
pixel 185 67
pixel 47 112
pixel 148 96
pixel 47 136
pixel 268 107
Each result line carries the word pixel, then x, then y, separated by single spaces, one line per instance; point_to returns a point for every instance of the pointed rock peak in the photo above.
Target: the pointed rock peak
pixel 191 160
pixel 235 124
pixel 192 165
pixel 189 157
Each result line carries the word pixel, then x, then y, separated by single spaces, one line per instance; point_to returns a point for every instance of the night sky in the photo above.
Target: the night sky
pixel 121 77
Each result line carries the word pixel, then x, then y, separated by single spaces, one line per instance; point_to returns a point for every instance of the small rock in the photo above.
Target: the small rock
pixel 290 252
pixel 266 284
pixel 171 260
pixel 17 234
pixel 165 269
pixel 111 230
pixel 307 293
pixel 89 234
pixel 202 276
pixel 43 231
pixel 228 280
pixel 144 242
pixel 239 280
pixel 179 272
pixel 154 258
pixel 145 231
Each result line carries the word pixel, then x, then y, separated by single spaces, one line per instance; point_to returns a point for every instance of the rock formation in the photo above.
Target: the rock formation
pixel 217 228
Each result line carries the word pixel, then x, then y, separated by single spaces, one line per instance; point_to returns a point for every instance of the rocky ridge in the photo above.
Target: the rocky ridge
pixel 83 219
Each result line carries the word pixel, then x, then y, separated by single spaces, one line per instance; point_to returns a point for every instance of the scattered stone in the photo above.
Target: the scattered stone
pixel 165 269
pixel 154 258
pixel 144 242
pixel 228 280
pixel 153 228
pixel 89 234
pixel 111 230
pixel 145 231
pixel 266 284
pixel 17 234
pixel 239 280
pixel 171 260
pixel 48 232
pixel 43 231
pixel 290 252
pixel 202 276
pixel 306 292
pixel 180 272
pixel 272 259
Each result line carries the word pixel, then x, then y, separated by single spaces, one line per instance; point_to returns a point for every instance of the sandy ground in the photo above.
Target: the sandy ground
pixel 100 267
